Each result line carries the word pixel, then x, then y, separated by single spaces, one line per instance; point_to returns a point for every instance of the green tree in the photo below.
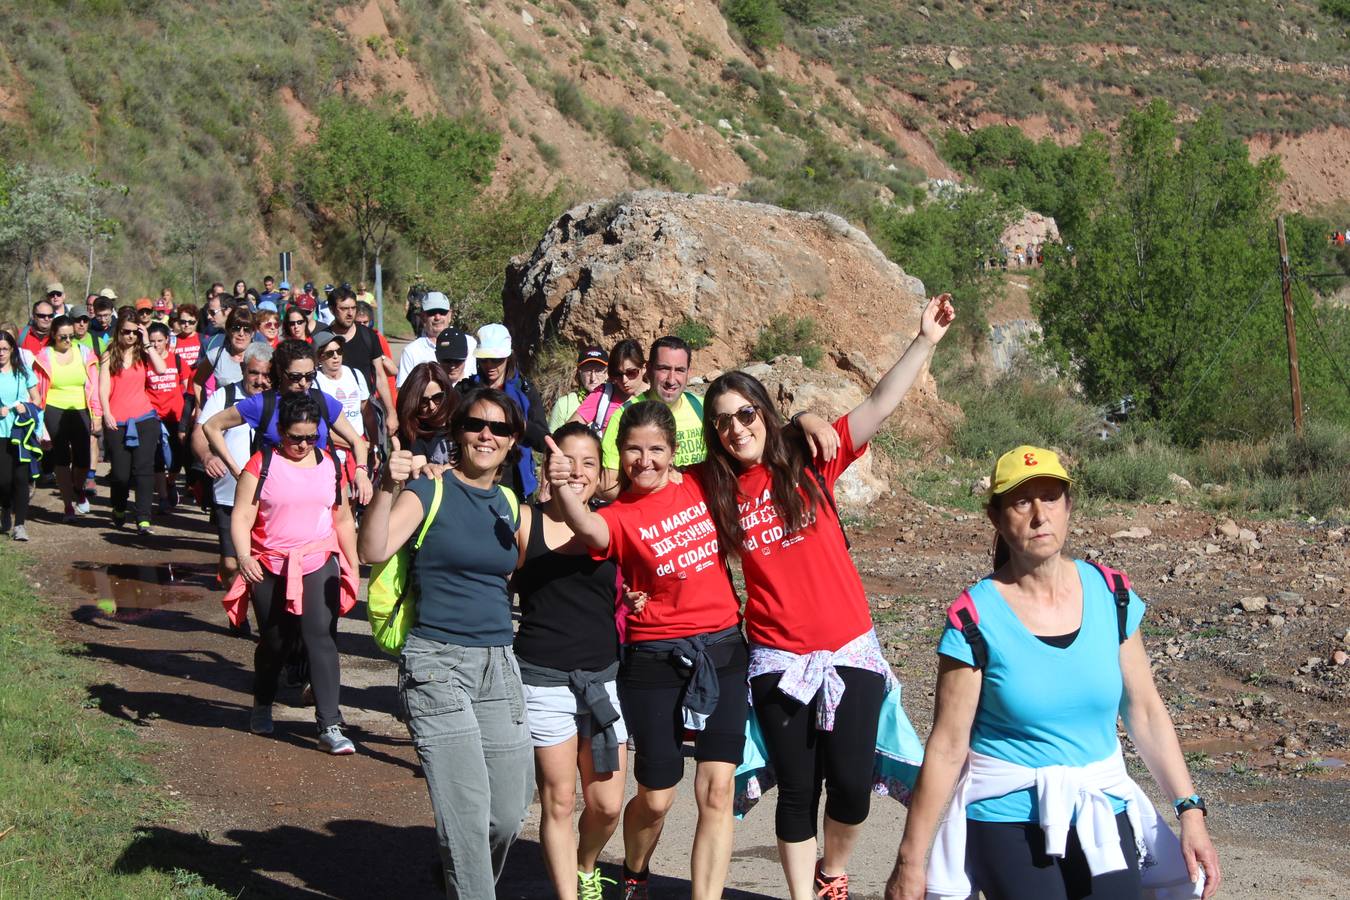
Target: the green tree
pixel 40 211
pixel 1168 273
pixel 946 242
pixel 380 168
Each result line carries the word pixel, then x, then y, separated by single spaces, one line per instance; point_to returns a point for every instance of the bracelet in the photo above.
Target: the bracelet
pixel 797 419
pixel 1184 804
pixel 363 468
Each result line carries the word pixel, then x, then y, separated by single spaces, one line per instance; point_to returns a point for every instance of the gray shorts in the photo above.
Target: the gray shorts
pixel 553 717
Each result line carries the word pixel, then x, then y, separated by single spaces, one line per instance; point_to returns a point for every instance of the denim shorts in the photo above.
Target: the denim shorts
pixel 553 716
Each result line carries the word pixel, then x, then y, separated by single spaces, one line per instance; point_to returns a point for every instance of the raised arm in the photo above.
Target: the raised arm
pixel 584 522
pixel 958 694
pixel 388 524
pixel 1150 727
pixel 867 418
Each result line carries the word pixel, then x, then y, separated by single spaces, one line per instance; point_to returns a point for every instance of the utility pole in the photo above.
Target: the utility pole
pixel 1295 389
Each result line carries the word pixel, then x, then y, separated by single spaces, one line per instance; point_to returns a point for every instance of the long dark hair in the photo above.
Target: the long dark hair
pixel 287 352
pixel 114 355
pixel 647 414
pixel 15 357
pixel 410 424
pixel 786 458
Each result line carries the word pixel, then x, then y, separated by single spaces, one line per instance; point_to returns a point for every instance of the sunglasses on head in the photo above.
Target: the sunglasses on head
pixel 745 415
pixel 297 377
pixel 474 425
pixel 300 439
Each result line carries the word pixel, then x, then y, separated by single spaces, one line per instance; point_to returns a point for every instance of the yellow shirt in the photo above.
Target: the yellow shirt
pixel 67 387
pixel 689 448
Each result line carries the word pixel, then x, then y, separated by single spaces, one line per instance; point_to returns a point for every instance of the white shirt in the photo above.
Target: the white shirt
pixel 238 440
pixel 423 350
pixel 349 389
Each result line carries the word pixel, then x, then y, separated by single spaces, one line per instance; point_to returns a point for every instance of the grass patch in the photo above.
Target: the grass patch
pixel 73 785
pixel 786 336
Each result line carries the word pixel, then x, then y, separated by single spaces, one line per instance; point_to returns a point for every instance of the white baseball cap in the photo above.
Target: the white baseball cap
pixel 434 301
pixel 494 342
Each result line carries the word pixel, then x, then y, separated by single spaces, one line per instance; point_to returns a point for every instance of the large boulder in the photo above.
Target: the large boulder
pixel 640 265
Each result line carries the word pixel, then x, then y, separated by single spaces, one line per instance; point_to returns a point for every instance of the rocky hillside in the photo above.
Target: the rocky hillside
pixel 194 107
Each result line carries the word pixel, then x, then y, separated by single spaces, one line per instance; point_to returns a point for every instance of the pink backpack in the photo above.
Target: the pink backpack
pixel 963 616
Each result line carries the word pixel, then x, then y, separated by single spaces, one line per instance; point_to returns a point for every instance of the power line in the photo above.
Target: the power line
pixel 1321 341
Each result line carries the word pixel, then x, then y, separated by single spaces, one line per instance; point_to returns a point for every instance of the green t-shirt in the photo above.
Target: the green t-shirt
pixel 689 447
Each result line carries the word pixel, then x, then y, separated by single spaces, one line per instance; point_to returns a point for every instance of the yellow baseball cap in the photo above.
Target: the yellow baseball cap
pixel 1022 463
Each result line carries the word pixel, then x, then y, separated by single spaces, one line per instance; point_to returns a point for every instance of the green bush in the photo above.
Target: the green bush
pixel 1015 411
pixel 1133 472
pixel 1337 9
pixel 760 22
pixel 547 152
pixel 694 333
pixel 785 336
pixel 569 100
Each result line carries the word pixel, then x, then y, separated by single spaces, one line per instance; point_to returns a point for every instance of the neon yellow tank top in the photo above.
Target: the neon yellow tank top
pixel 67 387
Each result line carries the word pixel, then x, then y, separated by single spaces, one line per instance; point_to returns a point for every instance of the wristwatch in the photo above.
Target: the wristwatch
pixel 1194 801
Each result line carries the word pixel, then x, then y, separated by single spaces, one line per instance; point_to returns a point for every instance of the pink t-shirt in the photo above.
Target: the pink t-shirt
pixel 294 509
pixel 591 405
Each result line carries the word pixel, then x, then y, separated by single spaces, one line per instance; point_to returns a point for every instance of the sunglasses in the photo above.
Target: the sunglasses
pixel 297 377
pixel 431 401
pixel 128 331
pixel 64 337
pixel 240 329
pixel 301 439
pixel 183 321
pixel 43 315
pixel 745 415
pixel 474 425
pixel 331 354
pixel 294 323
pixel 631 373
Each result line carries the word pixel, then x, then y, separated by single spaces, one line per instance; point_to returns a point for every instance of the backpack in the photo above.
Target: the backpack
pixel 596 427
pixel 963 617
pixel 269 450
pixel 269 409
pixel 391 604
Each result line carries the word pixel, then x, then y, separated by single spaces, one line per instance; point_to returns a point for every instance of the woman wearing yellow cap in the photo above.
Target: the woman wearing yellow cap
pixel 1037 661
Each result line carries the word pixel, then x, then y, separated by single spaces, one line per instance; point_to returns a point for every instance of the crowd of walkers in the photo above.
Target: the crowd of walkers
pixel 616 520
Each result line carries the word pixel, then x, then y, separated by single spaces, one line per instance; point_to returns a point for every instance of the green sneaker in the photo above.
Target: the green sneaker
pixel 592 886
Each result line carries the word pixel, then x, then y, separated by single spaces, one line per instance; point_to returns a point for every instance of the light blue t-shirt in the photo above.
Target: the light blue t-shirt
pixel 1041 705
pixel 14 390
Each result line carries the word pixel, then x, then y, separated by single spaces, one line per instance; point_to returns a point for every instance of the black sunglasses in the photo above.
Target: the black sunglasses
pixel 297 377
pixel 745 415
pixel 430 401
pixel 126 331
pixel 301 438
pixel 294 322
pixel 42 315
pixel 474 425
pixel 237 329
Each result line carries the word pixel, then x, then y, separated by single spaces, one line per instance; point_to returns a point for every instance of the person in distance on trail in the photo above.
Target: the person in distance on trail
pixel 568 647
pixel 165 391
pixel 268 324
pixel 295 325
pixel 218 364
pixel 291 502
pixel 1037 661
pixel 452 353
pixel 130 425
pixel 592 370
pixel 341 382
pixel 56 296
pixel 627 369
pixel 460 691
pixel 363 352
pixel 257 378
pixel 805 605
pixel 37 333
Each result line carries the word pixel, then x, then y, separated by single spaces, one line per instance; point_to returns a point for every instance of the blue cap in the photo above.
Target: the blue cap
pixel 285 286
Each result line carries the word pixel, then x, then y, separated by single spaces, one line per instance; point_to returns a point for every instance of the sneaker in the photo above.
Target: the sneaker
pixel 332 740
pixel 20 533
pixel 143 529
pixel 592 886
pixel 830 887
pixel 260 720
pixel 119 518
pixel 634 885
pixel 83 506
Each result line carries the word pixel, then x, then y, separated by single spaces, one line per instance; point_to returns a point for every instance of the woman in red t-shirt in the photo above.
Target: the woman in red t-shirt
pixel 774 508
pixel 131 428
pixel 686 662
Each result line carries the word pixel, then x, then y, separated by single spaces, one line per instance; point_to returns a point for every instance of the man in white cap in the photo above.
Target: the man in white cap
pixel 435 318
pixel 56 296
pixel 497 369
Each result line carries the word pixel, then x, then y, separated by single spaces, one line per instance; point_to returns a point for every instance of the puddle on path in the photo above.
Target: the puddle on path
pixel 125 591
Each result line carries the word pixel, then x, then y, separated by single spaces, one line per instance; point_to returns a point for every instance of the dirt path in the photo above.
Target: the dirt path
pixel 273 817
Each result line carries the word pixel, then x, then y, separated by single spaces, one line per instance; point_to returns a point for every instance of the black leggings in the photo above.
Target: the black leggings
pixel 279 632
pixel 14 481
pixel 69 431
pixel 134 465
pixel 1009 862
pixel 804 757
